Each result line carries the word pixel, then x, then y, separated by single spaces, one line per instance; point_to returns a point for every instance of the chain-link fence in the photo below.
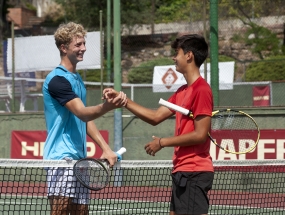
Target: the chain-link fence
pixel 250 31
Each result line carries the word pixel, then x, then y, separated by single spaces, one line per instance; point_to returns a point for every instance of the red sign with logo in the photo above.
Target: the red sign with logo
pixel 261 95
pixel 30 144
pixel 271 145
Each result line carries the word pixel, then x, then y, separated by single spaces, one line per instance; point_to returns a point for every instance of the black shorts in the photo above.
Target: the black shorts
pixel 189 192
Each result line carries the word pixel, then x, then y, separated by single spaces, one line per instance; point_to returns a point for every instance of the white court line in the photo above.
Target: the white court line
pixel 108 211
pixel 244 208
pixel 18 203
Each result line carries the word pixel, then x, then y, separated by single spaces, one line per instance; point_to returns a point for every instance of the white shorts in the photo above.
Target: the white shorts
pixel 62 182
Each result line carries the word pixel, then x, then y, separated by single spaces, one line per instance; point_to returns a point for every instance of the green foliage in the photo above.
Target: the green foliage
pixel 55 16
pixel 167 12
pixel 52 21
pixel 271 69
pixel 237 38
pixel 4 27
pixel 222 58
pixel 85 12
pixel 93 75
pixel 264 42
pixel 133 12
pixel 144 72
pixel 261 40
pixel 31 7
pixel 250 9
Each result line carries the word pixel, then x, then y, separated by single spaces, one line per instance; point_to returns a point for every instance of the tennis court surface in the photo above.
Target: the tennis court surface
pixel 144 187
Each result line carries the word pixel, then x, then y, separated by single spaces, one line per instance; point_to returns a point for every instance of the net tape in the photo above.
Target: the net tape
pixel 130 163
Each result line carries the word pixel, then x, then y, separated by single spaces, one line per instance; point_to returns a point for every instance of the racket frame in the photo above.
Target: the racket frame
pixel 100 163
pixel 241 113
pixel 104 163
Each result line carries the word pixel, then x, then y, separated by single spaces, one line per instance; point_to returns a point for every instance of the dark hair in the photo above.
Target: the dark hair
pixel 194 43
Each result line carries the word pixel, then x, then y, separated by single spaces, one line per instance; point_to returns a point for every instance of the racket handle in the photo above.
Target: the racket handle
pixel 120 152
pixel 174 107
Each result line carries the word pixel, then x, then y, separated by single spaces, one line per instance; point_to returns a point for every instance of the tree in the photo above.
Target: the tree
pixel 54 15
pixel 179 10
pixel 133 12
pixel 85 12
pixel 263 42
pixel 4 27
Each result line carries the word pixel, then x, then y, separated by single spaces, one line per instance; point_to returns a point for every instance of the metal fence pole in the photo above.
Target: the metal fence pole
pixel 214 47
pixel 118 139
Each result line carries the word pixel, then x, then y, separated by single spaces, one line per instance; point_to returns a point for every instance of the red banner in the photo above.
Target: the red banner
pixel 261 95
pixel 30 144
pixel 271 145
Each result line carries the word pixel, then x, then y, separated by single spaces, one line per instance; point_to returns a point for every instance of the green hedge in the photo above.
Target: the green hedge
pixel 144 72
pixel 272 69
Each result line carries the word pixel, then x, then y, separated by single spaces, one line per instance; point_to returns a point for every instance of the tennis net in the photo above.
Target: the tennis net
pixel 144 187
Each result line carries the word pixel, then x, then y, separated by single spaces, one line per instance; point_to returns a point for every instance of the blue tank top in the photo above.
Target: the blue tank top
pixel 66 133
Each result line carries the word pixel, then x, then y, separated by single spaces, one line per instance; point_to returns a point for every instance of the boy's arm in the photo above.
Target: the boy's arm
pixel 196 137
pixel 95 135
pixel 150 116
pixel 86 114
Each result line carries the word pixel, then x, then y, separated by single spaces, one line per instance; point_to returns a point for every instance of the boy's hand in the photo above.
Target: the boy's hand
pixel 154 146
pixel 109 93
pixel 113 97
pixel 110 156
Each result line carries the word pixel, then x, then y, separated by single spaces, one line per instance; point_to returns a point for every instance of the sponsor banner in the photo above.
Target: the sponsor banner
pixel 39 60
pixel 30 144
pixel 271 145
pixel 20 75
pixel 261 95
pixel 167 79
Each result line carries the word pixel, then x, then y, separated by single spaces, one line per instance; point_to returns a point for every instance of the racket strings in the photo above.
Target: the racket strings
pixel 234 131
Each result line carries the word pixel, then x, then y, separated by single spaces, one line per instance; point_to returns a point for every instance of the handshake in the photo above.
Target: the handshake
pixel 114 98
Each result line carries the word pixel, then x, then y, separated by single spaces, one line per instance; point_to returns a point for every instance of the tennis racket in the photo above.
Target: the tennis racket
pixel 231 130
pixel 94 173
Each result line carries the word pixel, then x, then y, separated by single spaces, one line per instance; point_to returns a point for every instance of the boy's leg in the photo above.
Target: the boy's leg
pixel 79 209
pixel 189 193
pixel 59 205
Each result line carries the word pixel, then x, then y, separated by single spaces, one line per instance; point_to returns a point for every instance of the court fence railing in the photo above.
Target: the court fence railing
pixel 236 94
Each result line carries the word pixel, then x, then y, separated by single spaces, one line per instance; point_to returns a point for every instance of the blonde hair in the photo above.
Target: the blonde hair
pixel 66 32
